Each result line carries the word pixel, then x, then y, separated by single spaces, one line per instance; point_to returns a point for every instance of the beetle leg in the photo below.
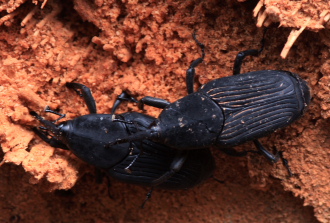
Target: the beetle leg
pixel 85 92
pixel 152 101
pixel 109 185
pixel 273 158
pixel 51 141
pixel 147 197
pixel 190 74
pixel 286 163
pixel 218 180
pixel 99 175
pixel 122 97
pixel 270 156
pixel 47 109
pixel 176 166
pixel 241 55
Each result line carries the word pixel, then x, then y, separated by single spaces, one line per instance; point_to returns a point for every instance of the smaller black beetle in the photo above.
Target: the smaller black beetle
pixel 227 111
pixel 144 162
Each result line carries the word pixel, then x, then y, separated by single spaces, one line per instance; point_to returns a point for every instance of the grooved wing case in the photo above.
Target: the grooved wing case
pixel 257 103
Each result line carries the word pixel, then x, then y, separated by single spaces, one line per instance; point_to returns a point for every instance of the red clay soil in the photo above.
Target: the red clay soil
pixel 145 47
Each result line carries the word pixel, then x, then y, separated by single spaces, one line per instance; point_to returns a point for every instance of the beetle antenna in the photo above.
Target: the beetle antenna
pixel 49 125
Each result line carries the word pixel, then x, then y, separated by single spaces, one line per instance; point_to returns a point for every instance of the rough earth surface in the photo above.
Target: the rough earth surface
pixel 145 47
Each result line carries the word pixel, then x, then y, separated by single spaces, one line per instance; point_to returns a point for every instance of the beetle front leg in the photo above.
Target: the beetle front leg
pixel 84 92
pixel 151 101
pixel 190 74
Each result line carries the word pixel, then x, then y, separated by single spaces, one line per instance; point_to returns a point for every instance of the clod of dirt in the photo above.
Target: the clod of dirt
pixel 300 15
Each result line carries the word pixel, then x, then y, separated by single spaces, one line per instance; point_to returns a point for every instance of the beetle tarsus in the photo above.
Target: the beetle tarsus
pixel 147 198
pixel 285 163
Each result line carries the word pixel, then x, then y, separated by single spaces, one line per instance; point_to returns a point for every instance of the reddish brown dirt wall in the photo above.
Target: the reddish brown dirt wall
pixel 145 47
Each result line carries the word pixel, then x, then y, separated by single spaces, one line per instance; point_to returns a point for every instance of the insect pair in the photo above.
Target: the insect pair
pixel 171 152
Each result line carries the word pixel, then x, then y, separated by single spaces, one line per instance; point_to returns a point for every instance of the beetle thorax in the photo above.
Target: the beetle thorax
pixel 192 122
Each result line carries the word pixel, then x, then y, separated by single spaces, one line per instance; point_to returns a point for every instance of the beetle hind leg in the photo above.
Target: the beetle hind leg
pixel 273 157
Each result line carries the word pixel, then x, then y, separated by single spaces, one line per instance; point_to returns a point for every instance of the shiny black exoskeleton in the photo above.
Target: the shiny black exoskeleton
pixel 143 162
pixel 228 111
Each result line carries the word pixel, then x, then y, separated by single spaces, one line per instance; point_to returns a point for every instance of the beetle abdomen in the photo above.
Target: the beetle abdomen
pixel 257 103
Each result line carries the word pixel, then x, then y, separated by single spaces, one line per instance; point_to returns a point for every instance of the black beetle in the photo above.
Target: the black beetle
pixel 228 111
pixel 144 162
